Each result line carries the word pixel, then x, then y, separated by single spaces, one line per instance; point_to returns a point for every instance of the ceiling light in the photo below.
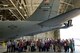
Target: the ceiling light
pixel 20 7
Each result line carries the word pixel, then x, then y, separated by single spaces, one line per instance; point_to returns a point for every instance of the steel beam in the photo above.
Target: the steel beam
pixel 17 9
pixel 6 8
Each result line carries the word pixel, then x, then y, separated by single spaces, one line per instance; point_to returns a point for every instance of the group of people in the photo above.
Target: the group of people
pixel 40 45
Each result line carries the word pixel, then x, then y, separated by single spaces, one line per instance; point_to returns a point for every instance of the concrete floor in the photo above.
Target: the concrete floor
pixel 2 49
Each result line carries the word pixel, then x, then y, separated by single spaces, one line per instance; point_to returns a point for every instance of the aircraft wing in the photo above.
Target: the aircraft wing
pixel 57 22
pixel 13 29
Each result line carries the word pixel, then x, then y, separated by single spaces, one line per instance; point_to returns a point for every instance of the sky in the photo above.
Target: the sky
pixel 72 32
